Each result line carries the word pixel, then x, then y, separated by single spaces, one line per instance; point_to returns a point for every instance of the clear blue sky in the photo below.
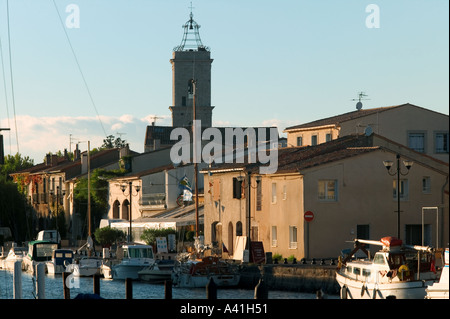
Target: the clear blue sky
pixel 275 62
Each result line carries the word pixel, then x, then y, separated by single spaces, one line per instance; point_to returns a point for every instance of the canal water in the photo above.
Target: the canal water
pixel 115 289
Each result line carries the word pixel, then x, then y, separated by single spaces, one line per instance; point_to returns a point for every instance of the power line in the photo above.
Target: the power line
pixel 79 67
pixel 11 76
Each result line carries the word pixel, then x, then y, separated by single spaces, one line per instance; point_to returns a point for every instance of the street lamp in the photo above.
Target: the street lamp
pixel 398 172
pixel 123 187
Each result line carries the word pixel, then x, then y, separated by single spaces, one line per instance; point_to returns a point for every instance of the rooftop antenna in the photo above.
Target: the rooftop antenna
pixel 154 119
pixel 361 96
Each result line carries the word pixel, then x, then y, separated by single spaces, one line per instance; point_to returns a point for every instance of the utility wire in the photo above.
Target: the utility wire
pixel 79 68
pixel 6 94
pixel 11 76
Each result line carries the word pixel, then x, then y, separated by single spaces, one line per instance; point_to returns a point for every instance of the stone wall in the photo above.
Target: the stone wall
pixel 301 278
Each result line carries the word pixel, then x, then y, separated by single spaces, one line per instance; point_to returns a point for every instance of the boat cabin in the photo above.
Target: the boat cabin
pixel 137 251
pixel 40 250
pixel 59 256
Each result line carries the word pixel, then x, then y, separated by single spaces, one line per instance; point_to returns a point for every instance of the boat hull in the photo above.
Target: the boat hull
pixel 155 276
pixel 353 289
pixel 126 271
pixel 184 280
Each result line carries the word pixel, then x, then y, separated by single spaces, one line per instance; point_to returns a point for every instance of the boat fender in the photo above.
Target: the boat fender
pixel 344 292
pixel 404 271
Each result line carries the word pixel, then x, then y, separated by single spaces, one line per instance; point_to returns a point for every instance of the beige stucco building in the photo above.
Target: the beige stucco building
pixel 343 183
pixel 418 128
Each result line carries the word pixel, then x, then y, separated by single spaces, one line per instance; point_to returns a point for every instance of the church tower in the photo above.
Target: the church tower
pixel 191 61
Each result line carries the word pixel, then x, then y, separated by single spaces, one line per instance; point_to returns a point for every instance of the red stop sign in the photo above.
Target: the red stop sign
pixel 309 216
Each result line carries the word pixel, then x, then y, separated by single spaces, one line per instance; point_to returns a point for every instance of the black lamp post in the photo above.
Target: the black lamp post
pixel 398 172
pixel 137 188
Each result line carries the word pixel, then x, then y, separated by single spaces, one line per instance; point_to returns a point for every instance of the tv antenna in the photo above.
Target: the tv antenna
pixel 154 119
pixel 361 96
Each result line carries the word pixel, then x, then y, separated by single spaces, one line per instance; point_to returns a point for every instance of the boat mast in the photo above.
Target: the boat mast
pixel 89 196
pixel 193 82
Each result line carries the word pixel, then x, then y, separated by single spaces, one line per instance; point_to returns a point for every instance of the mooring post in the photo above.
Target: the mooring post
pixel 168 289
pixel 17 287
pixel 211 289
pixel 96 284
pixel 129 288
pixel 65 278
pixel 40 281
pixel 261 291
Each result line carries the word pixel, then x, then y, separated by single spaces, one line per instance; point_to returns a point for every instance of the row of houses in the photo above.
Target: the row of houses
pixel 331 186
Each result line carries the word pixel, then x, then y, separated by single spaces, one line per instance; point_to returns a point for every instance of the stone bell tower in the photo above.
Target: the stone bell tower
pixel 191 61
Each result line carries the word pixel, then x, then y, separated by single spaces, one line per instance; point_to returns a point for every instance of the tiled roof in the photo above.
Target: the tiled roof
pixel 293 159
pixel 343 117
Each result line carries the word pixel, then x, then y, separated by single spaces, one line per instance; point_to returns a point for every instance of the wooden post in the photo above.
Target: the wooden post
pixel 40 281
pixel 168 289
pixel 211 290
pixel 96 284
pixel 129 288
pixel 65 285
pixel 17 287
pixel 261 291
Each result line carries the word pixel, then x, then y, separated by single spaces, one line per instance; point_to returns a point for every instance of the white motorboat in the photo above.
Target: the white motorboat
pixel 197 273
pixel 86 267
pixel 14 254
pixel 157 272
pixel 39 251
pixel 439 290
pixel 397 271
pixel 135 259
pixel 60 259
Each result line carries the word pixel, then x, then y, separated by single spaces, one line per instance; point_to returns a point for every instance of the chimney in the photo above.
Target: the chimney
pixel 48 159
pixel 76 154
pixel 84 162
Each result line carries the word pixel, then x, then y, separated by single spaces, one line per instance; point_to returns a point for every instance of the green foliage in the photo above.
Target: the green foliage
pixel 99 195
pixel 277 256
pixel 15 211
pixel 14 164
pixel 149 235
pixel 106 236
pixel 112 142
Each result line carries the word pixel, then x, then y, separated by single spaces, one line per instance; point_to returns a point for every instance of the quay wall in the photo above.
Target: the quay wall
pixel 291 277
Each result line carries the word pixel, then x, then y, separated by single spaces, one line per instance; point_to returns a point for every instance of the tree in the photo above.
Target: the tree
pixel 149 235
pixel 14 164
pixel 112 142
pixel 106 236
pixel 99 195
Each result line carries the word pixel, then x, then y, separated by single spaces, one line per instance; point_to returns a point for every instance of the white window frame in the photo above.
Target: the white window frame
pixel 293 237
pixel 324 190
pixel 404 189
pixel 274 236
pixel 417 141
pixel 274 193
pixel 441 142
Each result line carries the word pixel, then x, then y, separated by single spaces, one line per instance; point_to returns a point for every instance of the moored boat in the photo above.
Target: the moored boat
pixel 86 267
pixel 396 271
pixel 39 251
pixel 60 259
pixel 135 258
pixel 197 273
pixel 439 290
pixel 14 254
pixel 157 272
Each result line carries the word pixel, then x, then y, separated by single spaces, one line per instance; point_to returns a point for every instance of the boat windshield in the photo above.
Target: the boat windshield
pixel 379 259
pixel 138 253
